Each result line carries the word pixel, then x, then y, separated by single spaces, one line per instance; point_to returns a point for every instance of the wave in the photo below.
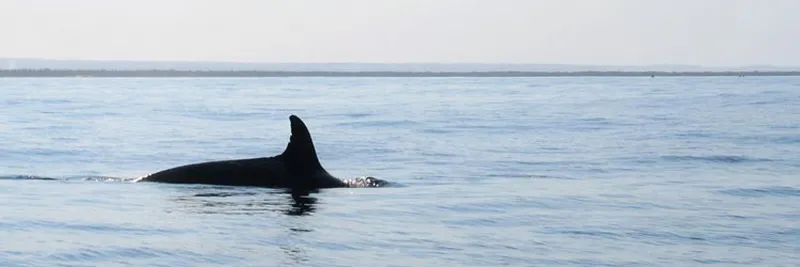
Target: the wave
pixel 104 179
pixel 26 177
pixel 67 178
pixel 776 191
pixel 716 158
pixel 352 182
pixel 544 176
pixel 380 123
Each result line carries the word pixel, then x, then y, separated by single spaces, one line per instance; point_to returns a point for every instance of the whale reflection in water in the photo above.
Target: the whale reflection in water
pixel 240 201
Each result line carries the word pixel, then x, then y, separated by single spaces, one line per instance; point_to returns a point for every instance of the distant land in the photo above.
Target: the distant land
pixel 22 73
pixel 27 67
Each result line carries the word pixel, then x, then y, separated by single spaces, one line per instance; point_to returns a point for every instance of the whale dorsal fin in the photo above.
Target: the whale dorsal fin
pixel 300 152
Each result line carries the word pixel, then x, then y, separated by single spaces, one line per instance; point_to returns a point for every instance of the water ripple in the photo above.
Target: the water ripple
pixel 774 191
pixel 716 158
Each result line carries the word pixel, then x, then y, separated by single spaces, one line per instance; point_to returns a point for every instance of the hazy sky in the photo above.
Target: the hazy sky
pixel 704 32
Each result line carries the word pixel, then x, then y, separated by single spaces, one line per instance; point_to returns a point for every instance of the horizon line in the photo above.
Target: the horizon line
pixel 407 63
pixel 155 73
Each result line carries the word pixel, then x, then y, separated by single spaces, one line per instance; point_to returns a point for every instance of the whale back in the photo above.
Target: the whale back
pixel 297 168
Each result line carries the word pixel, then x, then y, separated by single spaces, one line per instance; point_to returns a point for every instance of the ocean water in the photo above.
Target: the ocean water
pixel 607 171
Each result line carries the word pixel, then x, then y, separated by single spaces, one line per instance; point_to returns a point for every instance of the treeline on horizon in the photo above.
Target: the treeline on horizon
pixel 257 73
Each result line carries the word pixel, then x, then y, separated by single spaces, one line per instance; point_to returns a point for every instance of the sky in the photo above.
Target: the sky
pixel 595 32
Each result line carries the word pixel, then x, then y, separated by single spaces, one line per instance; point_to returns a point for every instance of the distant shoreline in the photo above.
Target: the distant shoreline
pixel 33 73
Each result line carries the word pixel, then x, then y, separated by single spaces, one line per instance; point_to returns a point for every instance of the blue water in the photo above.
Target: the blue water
pixel 485 171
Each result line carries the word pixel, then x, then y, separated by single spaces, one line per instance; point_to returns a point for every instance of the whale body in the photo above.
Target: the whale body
pixel 296 168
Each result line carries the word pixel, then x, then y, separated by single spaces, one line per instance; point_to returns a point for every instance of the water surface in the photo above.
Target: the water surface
pixel 679 171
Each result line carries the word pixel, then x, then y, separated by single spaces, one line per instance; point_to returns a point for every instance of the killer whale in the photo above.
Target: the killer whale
pixel 298 167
